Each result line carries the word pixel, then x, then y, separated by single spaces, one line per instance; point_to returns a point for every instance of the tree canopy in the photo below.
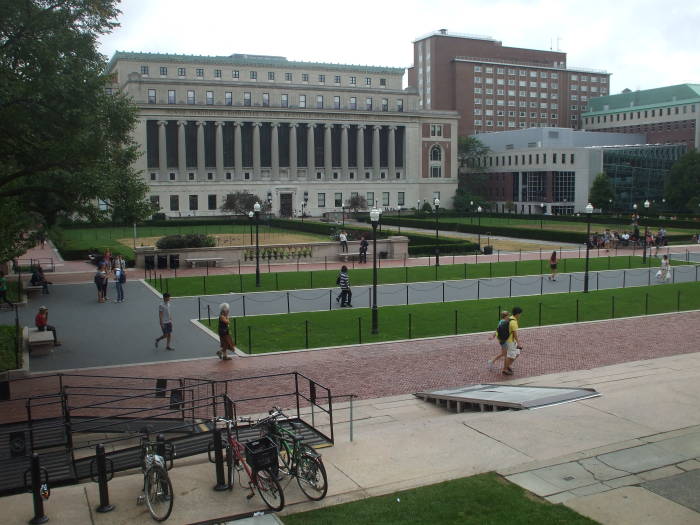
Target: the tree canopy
pixel 682 188
pixel 242 202
pixel 473 180
pixel 65 143
pixel 601 192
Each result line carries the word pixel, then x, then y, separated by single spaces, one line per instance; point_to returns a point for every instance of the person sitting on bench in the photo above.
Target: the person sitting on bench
pixel 39 279
pixel 42 323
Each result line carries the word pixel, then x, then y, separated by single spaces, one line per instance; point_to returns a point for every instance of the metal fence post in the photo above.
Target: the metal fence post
pixel 209 316
pixel 219 461
pixel 243 304
pixel 624 278
pixel 541 284
pixel 406 295
pixel 540 315
pixel 443 290
pixel 330 299
pixel 36 486
pixel 569 283
pixel 101 460
pixel 478 289
pixel 456 322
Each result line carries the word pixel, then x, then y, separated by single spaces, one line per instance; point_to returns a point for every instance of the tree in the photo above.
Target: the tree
pixel 601 192
pixel 357 202
pixel 241 202
pixel 473 180
pixel 682 188
pixel 65 143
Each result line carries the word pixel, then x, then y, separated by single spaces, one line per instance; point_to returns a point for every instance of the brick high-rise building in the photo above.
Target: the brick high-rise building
pixel 497 88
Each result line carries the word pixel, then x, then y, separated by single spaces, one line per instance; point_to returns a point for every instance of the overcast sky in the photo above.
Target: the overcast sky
pixel 643 43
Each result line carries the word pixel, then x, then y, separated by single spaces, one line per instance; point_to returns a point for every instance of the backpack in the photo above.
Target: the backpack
pixel 503 330
pixel 122 276
pixel 99 278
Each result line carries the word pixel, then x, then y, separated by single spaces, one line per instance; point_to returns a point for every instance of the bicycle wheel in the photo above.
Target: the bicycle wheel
pixel 159 493
pixel 311 476
pixel 269 489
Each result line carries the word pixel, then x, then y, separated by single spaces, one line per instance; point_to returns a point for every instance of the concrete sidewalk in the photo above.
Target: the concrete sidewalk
pixel 629 456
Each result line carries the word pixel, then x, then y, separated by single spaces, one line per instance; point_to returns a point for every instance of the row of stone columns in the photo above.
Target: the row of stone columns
pixel 310 148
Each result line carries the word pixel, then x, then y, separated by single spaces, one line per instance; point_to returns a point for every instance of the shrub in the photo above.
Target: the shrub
pixel 190 240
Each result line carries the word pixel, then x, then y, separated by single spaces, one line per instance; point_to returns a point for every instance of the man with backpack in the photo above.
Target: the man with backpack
pixel 343 281
pixel 119 280
pixel 502 333
pixel 512 343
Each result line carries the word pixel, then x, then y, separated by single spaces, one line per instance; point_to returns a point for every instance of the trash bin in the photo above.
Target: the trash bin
pixel 174 261
pixel 488 249
pixel 149 261
pixel 383 255
pixel 162 262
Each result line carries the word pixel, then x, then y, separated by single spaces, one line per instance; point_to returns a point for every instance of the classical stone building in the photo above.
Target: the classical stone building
pixel 297 134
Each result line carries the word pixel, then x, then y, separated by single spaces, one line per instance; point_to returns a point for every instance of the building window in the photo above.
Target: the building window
pixel 368 103
pixel 284 100
pixel 353 81
pixel 228 175
pixel 304 77
pixel 228 98
pixel 370 198
pixel 163 71
pixel 338 200
pixel 246 175
pixel 401 198
pixel 385 104
pixel 210 176
pixel 288 77
pixel 174 203
pixel 210 98
pixel 302 101
pixel 271 75
pixel 151 96
pixel 155 200
pixel 154 176
pixel 336 102
pixel 217 73
pixel 199 72
pixel 435 162
pixel 353 102
pixel 399 105
pixel 367 174
pixel 564 186
pixel 436 130
pixel 211 202
pixel 385 198
pixel 194 202
pixel 246 98
pixel 236 73
pixel 321 200
pixel 190 96
pixel 172 176
pixel 181 72
pixel 477 69
pixel 368 81
pixel 266 99
pixel 253 75
pixel 171 96
pixel 322 79
pixel 144 70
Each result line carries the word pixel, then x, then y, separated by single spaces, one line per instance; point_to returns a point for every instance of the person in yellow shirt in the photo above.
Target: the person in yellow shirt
pixel 512 343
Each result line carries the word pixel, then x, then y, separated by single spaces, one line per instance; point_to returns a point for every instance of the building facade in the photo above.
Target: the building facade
pixel 551 170
pixel 299 135
pixel 497 88
pixel 666 115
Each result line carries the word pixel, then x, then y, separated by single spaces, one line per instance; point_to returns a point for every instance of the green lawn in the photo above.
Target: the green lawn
pixel 7 348
pixel 568 226
pixel 102 238
pixel 272 333
pixel 222 284
pixel 486 499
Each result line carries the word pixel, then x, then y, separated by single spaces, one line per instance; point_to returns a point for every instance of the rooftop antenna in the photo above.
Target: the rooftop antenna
pixel 550 43
pixel 559 39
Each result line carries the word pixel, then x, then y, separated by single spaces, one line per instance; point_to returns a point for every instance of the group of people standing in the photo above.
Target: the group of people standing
pixel 117 268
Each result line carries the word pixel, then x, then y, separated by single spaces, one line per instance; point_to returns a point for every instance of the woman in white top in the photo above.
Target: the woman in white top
pixel 664 272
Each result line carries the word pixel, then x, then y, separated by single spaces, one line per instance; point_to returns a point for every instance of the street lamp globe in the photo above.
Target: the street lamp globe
pixel 250 214
pixel 436 202
pixel 634 206
pixel 374 215
pixel 647 204
pixel 479 209
pixel 589 208
pixel 256 207
pixel 471 203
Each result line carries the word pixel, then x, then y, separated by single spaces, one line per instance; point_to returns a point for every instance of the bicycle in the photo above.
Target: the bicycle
pixel 296 458
pixel 157 489
pixel 255 458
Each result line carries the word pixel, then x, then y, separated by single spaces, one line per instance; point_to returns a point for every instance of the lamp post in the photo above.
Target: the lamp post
pixel 256 209
pixel 342 208
pixel 543 212
pixel 303 212
pixel 399 212
pixel 610 205
pixel 647 204
pixel 589 211
pixel 418 207
pixel 478 211
pixel 436 202
pixel 250 222
pixel 374 218
pixel 471 212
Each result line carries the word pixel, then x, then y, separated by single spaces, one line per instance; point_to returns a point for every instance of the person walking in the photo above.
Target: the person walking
pixel 513 342
pixel 363 249
pixel 664 273
pixel 3 290
pixel 100 278
pixel 553 266
pixel 166 322
pixel 345 291
pixel 41 321
pixel 502 333
pixel 119 280
pixel 343 238
pixel 224 332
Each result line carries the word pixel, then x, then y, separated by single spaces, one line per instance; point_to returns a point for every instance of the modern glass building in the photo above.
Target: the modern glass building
pixel 638 173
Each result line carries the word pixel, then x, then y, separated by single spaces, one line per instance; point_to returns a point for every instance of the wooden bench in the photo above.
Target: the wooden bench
pixel 194 262
pixel 40 339
pixel 29 288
